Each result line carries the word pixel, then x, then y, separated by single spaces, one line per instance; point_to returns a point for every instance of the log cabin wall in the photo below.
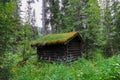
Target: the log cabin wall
pixel 74 48
pixel 51 52
pixel 62 46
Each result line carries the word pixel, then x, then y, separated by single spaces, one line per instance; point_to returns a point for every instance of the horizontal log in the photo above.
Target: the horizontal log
pixel 72 55
pixel 74 52
pixel 77 49
pixel 50 51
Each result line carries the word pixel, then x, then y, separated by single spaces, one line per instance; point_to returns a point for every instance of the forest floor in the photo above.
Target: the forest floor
pixel 82 69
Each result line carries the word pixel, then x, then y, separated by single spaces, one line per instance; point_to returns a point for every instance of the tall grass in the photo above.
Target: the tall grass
pixel 82 69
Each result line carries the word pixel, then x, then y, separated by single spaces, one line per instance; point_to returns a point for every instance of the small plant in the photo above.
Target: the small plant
pixel 82 69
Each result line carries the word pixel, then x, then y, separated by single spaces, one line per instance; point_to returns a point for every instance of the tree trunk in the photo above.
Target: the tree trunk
pixel 43 17
pixel 108 14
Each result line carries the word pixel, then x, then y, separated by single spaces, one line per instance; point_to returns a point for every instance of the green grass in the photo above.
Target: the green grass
pixel 82 69
pixel 54 38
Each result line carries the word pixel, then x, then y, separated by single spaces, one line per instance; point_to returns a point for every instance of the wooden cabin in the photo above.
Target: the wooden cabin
pixel 64 46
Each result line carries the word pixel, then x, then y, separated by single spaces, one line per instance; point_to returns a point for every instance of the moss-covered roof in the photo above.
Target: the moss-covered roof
pixel 54 39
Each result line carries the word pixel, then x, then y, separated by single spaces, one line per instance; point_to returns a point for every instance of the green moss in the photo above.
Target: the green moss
pixel 54 38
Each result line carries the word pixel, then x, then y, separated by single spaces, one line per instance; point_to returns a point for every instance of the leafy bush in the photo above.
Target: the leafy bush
pixel 82 69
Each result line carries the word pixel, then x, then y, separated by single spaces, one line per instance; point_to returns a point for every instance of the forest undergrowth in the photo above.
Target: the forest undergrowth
pixel 98 68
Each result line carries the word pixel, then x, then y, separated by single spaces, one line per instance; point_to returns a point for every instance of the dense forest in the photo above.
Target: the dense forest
pixel 98 21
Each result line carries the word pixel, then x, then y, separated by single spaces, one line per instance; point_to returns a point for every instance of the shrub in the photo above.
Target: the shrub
pixel 82 69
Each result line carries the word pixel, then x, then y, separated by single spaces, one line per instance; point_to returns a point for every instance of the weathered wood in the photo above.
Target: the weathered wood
pixel 74 49
pixel 71 51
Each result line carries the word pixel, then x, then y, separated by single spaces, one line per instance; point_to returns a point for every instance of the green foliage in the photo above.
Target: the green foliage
pixel 98 25
pixel 111 26
pixel 54 15
pixel 90 28
pixel 82 69
pixel 99 33
pixel 94 54
pixel 116 33
pixel 5 1
pixel 24 36
pixel 82 16
pixel 7 23
pixel 15 38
